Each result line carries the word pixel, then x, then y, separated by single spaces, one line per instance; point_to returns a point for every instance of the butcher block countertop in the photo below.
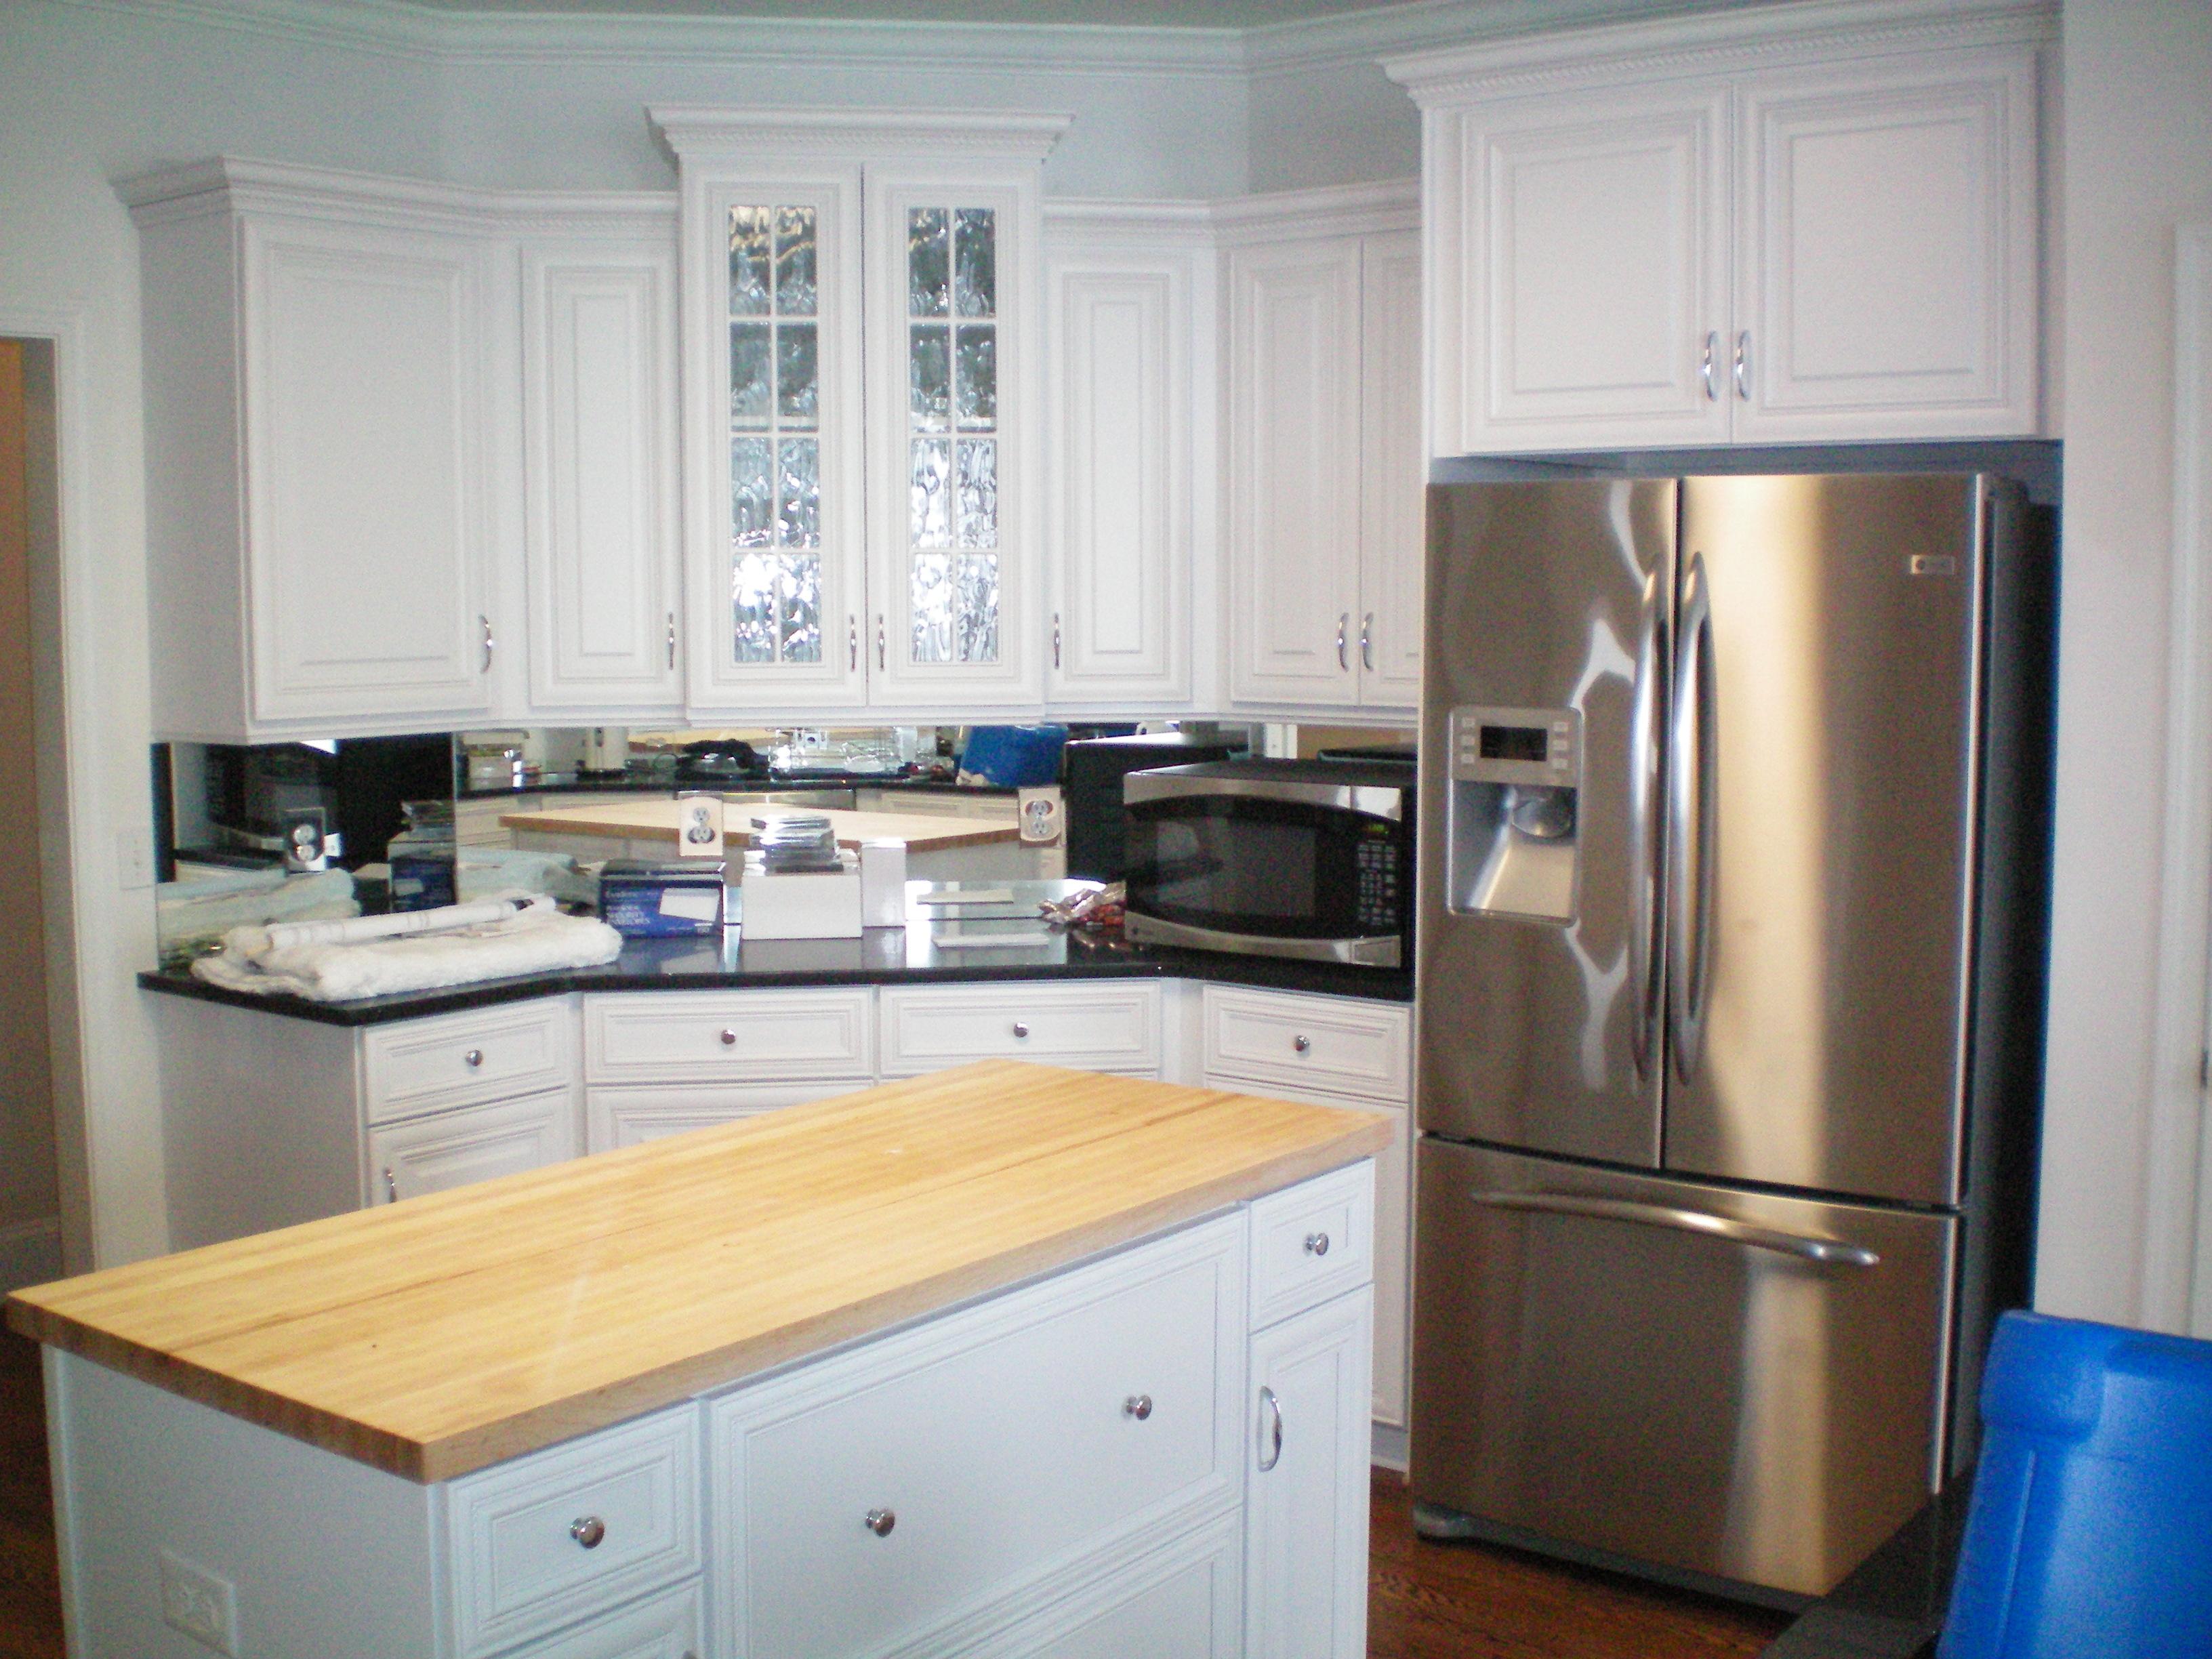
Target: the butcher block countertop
pixel 434 1336
pixel 656 820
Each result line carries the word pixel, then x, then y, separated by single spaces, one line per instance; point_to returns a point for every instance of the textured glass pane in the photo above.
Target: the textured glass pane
pixel 798 391
pixel 802 608
pixel 927 263
pixel 754 599
pixel 932 525
pixel 931 376
pixel 978 508
pixel 975 280
pixel 933 607
pixel 748 261
pixel 975 608
pixel 749 378
pixel 795 262
pixel 799 493
pixel 977 376
pixel 751 500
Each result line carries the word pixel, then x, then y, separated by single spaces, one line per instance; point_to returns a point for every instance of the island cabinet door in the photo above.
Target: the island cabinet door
pixel 452 1149
pixel 1305 1560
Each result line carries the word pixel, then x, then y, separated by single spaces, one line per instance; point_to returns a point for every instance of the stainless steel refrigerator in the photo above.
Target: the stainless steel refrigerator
pixel 1734 806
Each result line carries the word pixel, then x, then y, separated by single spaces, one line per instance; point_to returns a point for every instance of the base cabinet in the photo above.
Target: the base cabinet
pixel 452 1149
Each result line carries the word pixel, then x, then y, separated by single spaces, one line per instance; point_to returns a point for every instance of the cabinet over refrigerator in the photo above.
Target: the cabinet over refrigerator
pixel 1731 938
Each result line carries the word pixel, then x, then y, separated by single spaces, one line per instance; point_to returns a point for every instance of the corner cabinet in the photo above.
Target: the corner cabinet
pixel 862 429
pixel 1713 230
pixel 1325 460
pixel 318 361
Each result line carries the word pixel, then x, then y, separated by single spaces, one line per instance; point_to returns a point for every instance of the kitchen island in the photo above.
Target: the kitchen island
pixel 1000 1360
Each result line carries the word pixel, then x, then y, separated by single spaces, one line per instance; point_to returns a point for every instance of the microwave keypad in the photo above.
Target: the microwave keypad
pixel 1376 904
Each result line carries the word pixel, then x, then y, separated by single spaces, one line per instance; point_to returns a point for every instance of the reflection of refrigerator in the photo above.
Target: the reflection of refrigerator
pixel 1733 814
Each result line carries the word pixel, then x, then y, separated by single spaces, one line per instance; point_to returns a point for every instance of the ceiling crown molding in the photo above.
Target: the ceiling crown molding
pixel 1024 135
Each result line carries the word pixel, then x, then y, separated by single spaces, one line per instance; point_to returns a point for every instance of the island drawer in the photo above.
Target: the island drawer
pixel 944 1471
pixel 711 1036
pixel 544 1540
pixel 1095 1026
pixel 1312 1242
pixel 1341 1043
pixel 631 1114
pixel 417 1065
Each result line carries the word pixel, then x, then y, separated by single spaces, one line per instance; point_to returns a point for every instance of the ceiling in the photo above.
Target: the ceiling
pixel 1111 14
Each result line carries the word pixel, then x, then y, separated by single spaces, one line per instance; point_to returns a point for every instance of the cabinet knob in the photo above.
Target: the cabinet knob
pixel 1021 1028
pixel 391 1188
pixel 880 1522
pixel 1316 1243
pixel 588 1531
pixel 1302 1042
pixel 729 1038
pixel 474 1057
pixel 1139 1406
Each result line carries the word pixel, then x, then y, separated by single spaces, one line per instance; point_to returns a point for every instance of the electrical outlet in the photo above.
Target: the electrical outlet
pixel 197 1602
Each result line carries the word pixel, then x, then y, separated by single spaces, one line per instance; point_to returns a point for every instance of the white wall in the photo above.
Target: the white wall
pixel 2138 159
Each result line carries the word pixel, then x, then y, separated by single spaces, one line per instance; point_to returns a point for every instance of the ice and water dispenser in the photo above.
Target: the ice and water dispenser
pixel 1510 831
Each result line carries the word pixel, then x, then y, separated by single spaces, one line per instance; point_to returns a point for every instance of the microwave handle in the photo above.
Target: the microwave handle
pixel 1368 800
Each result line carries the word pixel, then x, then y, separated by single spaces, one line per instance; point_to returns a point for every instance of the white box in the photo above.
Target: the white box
pixel 810 904
pixel 883 883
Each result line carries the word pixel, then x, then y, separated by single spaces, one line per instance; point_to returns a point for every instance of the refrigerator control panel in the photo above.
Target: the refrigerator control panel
pixel 1540 746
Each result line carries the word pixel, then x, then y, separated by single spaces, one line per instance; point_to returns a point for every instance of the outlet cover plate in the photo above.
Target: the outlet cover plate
pixel 199 1603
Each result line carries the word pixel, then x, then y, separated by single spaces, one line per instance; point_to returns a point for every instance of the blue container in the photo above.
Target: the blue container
pixel 1014 756
pixel 2090 1529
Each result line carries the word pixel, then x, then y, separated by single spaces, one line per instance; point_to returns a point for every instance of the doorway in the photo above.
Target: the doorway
pixel 30 1195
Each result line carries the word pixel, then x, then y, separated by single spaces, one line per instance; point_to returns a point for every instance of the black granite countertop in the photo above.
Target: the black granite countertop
pixel 881 956
pixel 642 781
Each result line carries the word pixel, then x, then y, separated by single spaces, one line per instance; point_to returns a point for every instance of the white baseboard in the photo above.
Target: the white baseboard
pixel 30 1253
pixel 1389 1447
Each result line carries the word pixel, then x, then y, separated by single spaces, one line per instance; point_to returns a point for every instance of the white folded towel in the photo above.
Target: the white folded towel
pixel 417 951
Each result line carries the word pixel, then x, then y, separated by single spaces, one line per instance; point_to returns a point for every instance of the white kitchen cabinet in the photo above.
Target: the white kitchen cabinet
pixel 1094 1025
pixel 321 426
pixel 473 1143
pixel 1305 1552
pixel 863 523
pixel 1324 462
pixel 1129 303
pixel 600 530
pixel 1722 230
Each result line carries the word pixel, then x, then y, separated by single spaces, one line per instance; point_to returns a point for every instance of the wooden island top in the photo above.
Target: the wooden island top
pixel 448 1332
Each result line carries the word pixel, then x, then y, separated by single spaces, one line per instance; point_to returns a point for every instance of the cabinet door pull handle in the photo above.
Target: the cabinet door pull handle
pixel 1712 360
pixel 1316 1243
pixel 1271 1432
pixel 490 645
pixel 882 644
pixel 1301 1043
pixel 880 1522
pixel 589 1530
pixel 1139 1406
pixel 1055 638
pixel 1344 640
pixel 391 1187
pixel 1743 365
pixel 853 644
pixel 671 638
pixel 1367 641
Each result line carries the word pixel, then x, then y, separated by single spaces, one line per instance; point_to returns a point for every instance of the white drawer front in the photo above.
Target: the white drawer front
pixel 1182 1599
pixel 1094 1025
pixel 1003 1443
pixel 473 1143
pixel 1344 1043
pixel 1312 1242
pixel 666 1627
pixel 628 1116
pixel 710 1036
pixel 518 1531
pixel 417 1066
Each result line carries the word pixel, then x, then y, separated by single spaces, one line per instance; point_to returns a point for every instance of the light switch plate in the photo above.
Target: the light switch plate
pixel 134 858
pixel 200 1603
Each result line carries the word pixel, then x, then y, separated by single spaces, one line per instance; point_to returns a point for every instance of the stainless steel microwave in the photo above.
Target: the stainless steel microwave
pixel 1280 858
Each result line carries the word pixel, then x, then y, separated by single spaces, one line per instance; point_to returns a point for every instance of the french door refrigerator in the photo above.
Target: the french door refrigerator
pixel 1733 798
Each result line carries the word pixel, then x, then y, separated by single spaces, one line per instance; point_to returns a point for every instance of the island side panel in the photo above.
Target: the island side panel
pixel 322 1555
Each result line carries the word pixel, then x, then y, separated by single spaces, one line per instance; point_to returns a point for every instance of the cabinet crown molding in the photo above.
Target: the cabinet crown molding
pixel 225 183
pixel 1716 43
pixel 1329 210
pixel 696 131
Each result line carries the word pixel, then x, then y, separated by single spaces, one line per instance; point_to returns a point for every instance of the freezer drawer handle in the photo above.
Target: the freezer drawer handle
pixel 1827 1251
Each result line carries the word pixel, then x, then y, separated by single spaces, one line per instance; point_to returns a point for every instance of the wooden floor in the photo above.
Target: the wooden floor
pixel 1428 1600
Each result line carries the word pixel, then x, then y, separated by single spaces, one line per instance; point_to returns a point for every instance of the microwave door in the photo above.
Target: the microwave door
pixel 1544 716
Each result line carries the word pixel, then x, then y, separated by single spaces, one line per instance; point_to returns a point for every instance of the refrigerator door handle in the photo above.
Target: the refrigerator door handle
pixel 1646 846
pixel 1691 824
pixel 1806 1247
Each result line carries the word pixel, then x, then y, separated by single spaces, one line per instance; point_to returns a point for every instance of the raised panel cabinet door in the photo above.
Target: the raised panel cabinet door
pixel 1393 471
pixel 1888 239
pixel 1305 1552
pixel 368 499
pixel 600 524
pixel 1581 271
pixel 1119 452
pixel 1294 466
pixel 452 1149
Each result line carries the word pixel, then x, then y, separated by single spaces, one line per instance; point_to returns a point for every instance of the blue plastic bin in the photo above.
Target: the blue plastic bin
pixel 1014 756
pixel 2090 1528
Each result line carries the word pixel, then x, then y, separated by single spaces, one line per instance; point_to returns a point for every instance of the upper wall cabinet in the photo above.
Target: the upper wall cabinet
pixel 862 425
pixel 1702 231
pixel 319 511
